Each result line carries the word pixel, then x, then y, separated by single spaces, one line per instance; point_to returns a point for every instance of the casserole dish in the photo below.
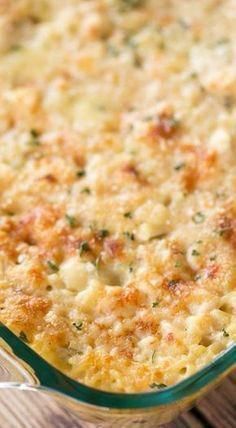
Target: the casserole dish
pixel 22 368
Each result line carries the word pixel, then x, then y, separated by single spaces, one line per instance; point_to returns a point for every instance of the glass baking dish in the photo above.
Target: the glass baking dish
pixel 22 368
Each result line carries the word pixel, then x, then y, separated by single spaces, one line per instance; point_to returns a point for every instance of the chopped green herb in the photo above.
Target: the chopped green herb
pixel 183 24
pixel 34 137
pixel 155 304
pixel 78 325
pixel 194 75
pixel 225 333
pixel 202 89
pixel 128 214
pixel 97 262
pixel 177 264
pixel 10 213
pixel 158 385
pixel 195 252
pixel 84 247
pixel 23 337
pixel 86 190
pixel 52 266
pixel 220 232
pixel 153 356
pixel 222 41
pixel 173 283
pixel 137 60
pixel 131 269
pixel 198 218
pixel 126 5
pixel 101 107
pixel 148 118
pixel 112 50
pixel 103 233
pixel 162 45
pixel 129 41
pixel 179 166
pixel 80 173
pixel 71 220
pixel 229 102
pixel 160 236
pixel 130 235
pixel 225 228
pixel 35 19
pixel 212 258
pixel 15 48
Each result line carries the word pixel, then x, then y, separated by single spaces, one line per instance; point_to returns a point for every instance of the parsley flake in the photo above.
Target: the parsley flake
pixel 173 283
pixel 54 268
pixel 71 220
pixel 137 60
pixel 86 190
pixel 128 214
pixel 34 138
pixel 80 173
pixel 177 264
pixel 160 236
pixel 179 166
pixel 155 304
pixel 198 218
pixel 126 5
pixel 103 233
pixel 222 41
pixel 183 24
pixel 84 247
pixel 112 50
pixel 23 337
pixel 78 325
pixel 162 45
pixel 15 48
pixel 225 333
pixel 153 356
pixel 229 102
pixel 158 385
pixel 195 252
pixel 130 235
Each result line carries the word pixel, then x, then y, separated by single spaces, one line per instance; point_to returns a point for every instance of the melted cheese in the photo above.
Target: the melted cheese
pixel 118 181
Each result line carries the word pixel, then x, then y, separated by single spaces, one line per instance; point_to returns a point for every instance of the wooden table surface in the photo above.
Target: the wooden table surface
pixel 19 409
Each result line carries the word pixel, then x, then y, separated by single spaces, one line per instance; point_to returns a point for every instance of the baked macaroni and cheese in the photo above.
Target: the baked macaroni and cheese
pixel 118 181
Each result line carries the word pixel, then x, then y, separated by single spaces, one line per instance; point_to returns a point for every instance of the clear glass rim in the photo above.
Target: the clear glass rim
pixel 52 379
